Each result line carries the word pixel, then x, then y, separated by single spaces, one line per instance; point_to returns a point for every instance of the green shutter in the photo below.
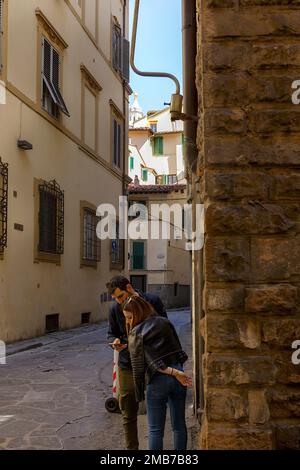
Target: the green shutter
pixel 131 163
pixel 158 146
pixel 161 145
pixel 164 179
pixel 138 255
pixel 145 175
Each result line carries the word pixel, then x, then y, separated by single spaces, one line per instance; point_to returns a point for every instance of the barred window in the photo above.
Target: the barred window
pixel 51 218
pixel 91 244
pixel 3 204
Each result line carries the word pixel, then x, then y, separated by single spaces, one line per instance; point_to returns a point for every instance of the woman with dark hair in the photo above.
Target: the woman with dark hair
pixel 157 356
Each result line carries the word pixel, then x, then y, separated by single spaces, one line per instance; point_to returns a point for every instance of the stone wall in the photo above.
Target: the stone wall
pixel 249 165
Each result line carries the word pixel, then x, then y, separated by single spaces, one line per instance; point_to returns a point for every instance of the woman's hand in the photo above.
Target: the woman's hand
pixel 117 345
pixel 182 377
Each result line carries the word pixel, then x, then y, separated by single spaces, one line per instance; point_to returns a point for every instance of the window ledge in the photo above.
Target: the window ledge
pixel 41 256
pixel 88 264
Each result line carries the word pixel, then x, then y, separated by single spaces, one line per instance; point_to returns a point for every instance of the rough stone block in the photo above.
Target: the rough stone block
pixel 225 121
pixel 240 89
pixel 258 407
pixel 227 370
pixel 288 437
pixel 224 186
pixel 252 219
pixel 278 299
pixel 250 57
pixel 245 24
pixel 275 259
pixel 227 259
pixel 281 332
pixel 270 120
pixel 232 333
pixel 283 152
pixel 226 405
pixel 287 372
pixel 287 186
pixel 239 439
pixel 284 403
pixel 227 299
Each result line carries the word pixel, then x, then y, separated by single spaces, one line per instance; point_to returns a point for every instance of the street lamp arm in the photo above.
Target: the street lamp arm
pixel 132 53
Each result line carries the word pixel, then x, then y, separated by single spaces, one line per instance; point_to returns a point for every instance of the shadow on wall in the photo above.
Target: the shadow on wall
pixel 173 295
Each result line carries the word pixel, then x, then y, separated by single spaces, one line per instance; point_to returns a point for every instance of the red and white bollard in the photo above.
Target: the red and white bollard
pixel 112 404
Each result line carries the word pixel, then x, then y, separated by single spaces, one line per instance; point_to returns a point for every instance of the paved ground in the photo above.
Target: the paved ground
pixel 52 396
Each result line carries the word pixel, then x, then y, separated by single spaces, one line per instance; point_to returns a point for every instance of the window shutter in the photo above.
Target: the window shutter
pixel 116 48
pixel 55 81
pixel 131 163
pixel 51 72
pixel 161 145
pixel 55 68
pixel 47 59
pixel 115 137
pixel 125 59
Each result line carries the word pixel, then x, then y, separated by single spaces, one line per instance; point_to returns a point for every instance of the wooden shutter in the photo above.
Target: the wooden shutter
pixel 131 159
pixel 125 59
pixel 116 48
pixel 158 146
pixel 161 145
pixel 145 175
pixel 138 255
pixel 117 138
pixel 51 73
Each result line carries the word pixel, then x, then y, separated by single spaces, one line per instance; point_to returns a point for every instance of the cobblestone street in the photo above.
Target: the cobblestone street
pixel 52 395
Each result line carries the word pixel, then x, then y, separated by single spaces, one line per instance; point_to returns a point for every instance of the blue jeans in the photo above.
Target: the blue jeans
pixel 161 390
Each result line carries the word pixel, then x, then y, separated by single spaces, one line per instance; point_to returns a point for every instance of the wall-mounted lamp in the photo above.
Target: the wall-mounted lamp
pixel 24 145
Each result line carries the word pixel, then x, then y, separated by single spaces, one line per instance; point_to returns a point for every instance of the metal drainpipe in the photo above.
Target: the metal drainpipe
pixel 125 143
pixel 190 108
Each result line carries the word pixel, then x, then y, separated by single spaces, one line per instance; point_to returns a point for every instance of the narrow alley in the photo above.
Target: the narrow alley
pixel 52 395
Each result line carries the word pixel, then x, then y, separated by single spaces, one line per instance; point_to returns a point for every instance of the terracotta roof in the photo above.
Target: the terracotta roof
pixel 155 188
pixel 140 129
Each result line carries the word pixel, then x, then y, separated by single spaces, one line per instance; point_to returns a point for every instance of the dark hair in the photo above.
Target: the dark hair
pixel 117 282
pixel 140 309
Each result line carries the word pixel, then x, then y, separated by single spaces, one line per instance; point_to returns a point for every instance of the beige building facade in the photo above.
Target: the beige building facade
pixel 159 141
pixel 161 266
pixel 63 149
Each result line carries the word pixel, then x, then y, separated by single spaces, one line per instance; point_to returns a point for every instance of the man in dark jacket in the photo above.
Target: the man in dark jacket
pixel 120 289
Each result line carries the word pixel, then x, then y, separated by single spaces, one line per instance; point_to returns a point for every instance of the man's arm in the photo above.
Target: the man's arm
pixel 114 334
pixel 113 331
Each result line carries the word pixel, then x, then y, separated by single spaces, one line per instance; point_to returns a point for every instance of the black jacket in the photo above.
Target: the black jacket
pixel 153 345
pixel 117 328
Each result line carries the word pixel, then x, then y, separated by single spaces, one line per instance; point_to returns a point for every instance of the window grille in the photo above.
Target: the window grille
pixel 3 204
pixel 91 244
pixel 51 218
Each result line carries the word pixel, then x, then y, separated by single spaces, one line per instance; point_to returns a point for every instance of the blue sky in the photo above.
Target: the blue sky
pixel 158 49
